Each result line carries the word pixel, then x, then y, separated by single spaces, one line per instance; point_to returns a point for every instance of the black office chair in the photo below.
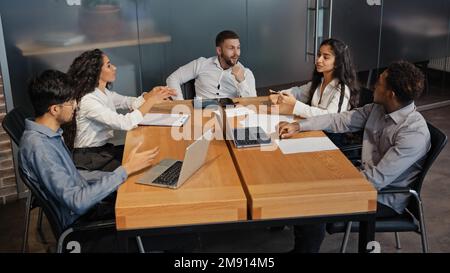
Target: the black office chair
pixel 14 125
pixel 62 234
pixel 188 90
pixel 413 218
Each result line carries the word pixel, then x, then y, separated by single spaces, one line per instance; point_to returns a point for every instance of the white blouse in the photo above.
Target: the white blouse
pixel 97 117
pixel 329 103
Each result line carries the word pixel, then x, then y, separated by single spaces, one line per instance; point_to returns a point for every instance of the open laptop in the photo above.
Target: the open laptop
pixel 170 173
pixel 250 137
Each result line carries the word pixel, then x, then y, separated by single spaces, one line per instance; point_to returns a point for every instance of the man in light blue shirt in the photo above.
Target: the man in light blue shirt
pixel 46 161
pixel 395 142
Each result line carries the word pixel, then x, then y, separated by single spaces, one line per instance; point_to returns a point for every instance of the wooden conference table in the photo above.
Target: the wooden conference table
pixel 241 188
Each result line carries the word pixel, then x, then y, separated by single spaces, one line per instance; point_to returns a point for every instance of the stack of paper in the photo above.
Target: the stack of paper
pixel 305 145
pixel 238 111
pixel 174 120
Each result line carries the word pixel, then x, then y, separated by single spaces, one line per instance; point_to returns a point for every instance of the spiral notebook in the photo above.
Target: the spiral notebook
pixel 173 120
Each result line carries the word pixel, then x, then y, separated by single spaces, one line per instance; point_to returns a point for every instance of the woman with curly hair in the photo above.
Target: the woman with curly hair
pixel 90 131
pixel 333 88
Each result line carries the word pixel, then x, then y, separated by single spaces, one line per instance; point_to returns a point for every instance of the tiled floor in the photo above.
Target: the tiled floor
pixel 435 193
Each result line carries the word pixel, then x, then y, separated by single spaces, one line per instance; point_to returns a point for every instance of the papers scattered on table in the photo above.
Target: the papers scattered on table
pixel 267 122
pixel 174 120
pixel 238 111
pixel 305 145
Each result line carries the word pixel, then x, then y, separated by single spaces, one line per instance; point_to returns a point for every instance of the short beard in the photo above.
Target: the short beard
pixel 228 61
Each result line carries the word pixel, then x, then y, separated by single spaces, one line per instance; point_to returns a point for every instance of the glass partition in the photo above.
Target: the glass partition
pixel 149 39
pixel 49 34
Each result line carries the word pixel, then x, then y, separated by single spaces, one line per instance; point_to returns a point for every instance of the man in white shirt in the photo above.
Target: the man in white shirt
pixel 221 76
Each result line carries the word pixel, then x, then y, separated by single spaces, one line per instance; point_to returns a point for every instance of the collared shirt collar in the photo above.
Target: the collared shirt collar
pixel 100 93
pixel 217 62
pixel 33 126
pixel 401 114
pixel 334 82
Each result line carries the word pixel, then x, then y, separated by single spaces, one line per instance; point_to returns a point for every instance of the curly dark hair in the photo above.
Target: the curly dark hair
pixel 344 71
pixel 405 80
pixel 50 88
pixel 85 72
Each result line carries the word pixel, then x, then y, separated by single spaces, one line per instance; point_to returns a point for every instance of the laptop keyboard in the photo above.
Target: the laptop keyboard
pixel 250 136
pixel 247 142
pixel 170 176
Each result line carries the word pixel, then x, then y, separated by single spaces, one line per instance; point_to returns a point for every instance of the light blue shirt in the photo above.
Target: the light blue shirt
pixel 394 145
pixel 46 161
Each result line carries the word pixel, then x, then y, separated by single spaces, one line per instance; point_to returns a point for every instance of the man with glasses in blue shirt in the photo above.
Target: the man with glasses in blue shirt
pixel 47 163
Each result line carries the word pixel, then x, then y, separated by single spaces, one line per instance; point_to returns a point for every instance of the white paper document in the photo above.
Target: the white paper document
pixel 305 145
pixel 267 122
pixel 155 119
pixel 238 111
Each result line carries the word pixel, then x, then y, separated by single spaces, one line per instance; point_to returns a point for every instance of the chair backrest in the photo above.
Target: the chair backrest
pixel 48 206
pixel 188 90
pixel 14 124
pixel 438 142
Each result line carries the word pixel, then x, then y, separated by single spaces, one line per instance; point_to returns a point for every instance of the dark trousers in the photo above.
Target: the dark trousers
pixel 104 158
pixel 104 210
pixel 102 240
pixel 308 238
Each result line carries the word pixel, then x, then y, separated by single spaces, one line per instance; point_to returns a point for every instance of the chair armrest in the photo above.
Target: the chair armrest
pixel 95 225
pixel 394 190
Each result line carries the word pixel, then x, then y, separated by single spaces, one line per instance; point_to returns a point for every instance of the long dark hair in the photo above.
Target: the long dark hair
pixel 85 72
pixel 344 71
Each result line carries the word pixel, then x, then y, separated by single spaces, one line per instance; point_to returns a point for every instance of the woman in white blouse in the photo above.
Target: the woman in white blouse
pixel 96 117
pixel 332 89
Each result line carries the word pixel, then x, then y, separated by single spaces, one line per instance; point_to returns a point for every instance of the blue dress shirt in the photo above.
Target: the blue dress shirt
pixel 47 163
